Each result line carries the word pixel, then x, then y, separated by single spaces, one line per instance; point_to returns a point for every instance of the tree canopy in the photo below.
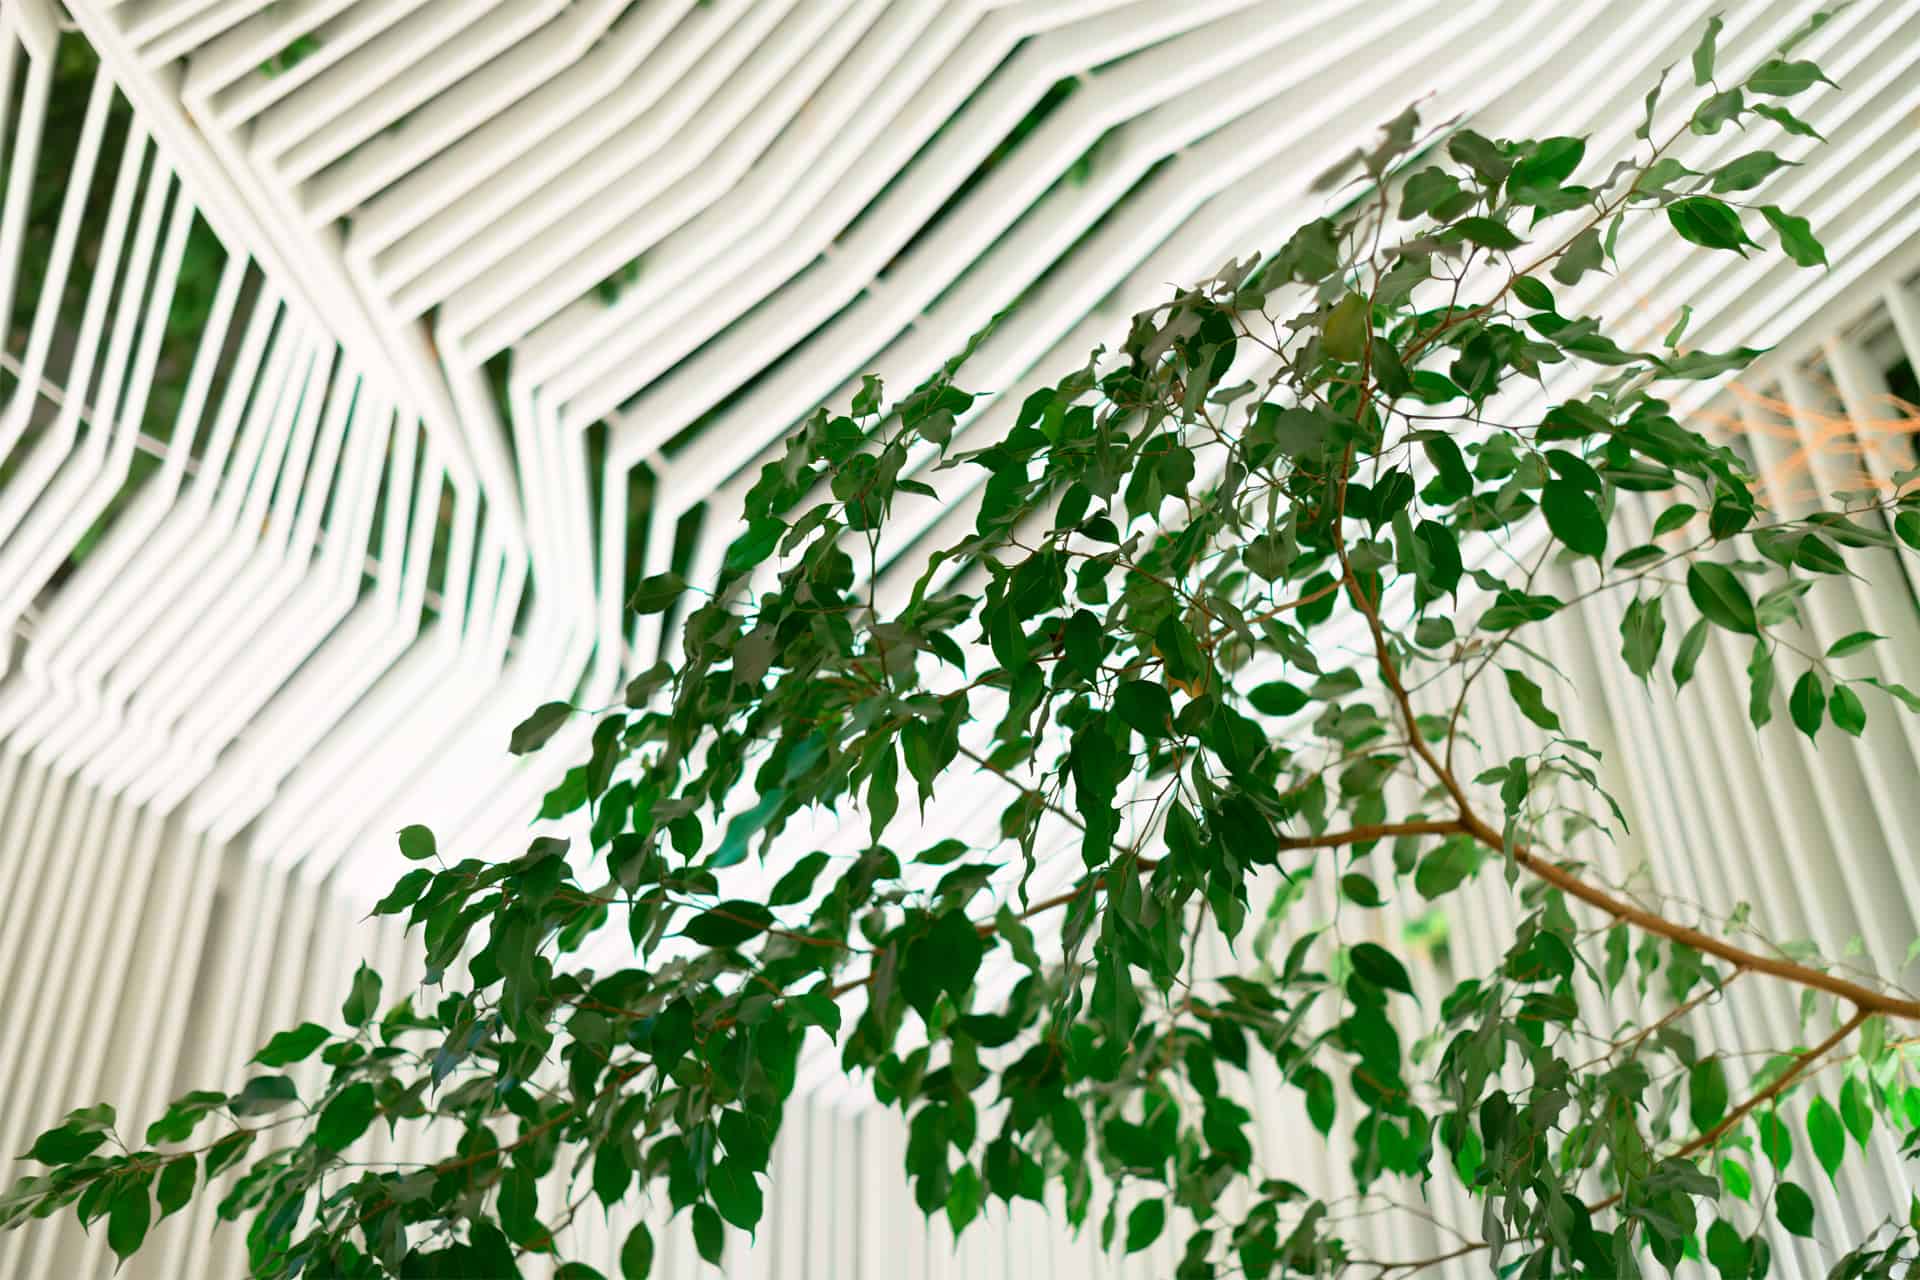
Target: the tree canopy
pixel 1215 583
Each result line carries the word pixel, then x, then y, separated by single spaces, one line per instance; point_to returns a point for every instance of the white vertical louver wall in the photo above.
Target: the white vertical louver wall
pixel 418 329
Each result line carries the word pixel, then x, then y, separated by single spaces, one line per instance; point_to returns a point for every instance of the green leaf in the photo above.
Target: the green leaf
pixel 262 1095
pixel 292 1046
pixel 1706 1093
pixel 1856 1110
pixel 406 891
pixel 1533 293
pixel 1852 643
pixel 611 1173
pixel 175 1186
pixel 1146 707
pixel 1145 1223
pixel 363 999
pixel 736 1193
pixel 1794 1207
pixel 943 959
pixel 797 884
pixel 1778 78
pixel 416 843
pixel 65 1144
pixel 1527 696
pixel 963 1199
pixel 1574 517
pixel 1828 1135
pixel 1642 631
pixel 345 1117
pixel 1673 518
pixel 1807 704
pixel 1775 1140
pixel 1443 869
pixel 709 1235
pixel 729 924
pixel 1543 172
pixel 129 1218
pixel 1584 253
pixel 1730 1252
pixel 1278 698
pixel 222 1154
pixel 1377 965
pixel 1345 335
pixel 1717 593
pixel 1747 171
pixel 1488 233
pixel 1907 526
pixel 636 1255
pixel 1691 646
pixel 1361 890
pixel 1796 236
pixel 657 593
pixel 1713 114
pixel 532 733
pixel 1705 51
pixel 1711 223
pixel 1760 684
pixel 1787 120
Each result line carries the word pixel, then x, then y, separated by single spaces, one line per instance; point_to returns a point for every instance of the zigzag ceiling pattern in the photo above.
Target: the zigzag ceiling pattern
pixel 362 354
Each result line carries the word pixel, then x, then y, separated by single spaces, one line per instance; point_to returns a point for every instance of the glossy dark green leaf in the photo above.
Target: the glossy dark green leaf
pixel 297 1045
pixel 1488 233
pixel 65 1144
pixel 736 1194
pixel 1360 890
pixel 1706 1093
pixel 1278 698
pixel 611 1173
pixel 416 843
pixel 1708 222
pixel 1706 50
pixel 1827 1134
pixel 1533 293
pixel 1794 1208
pixel 657 593
pixel 636 1255
pixel 1692 645
pixel 1807 704
pixel 1778 78
pixel 1379 966
pixel 532 733
pixel 1643 630
pixel 1146 708
pixel 130 1217
pixel 1730 1252
pixel 345 1117
pixel 942 960
pixel 263 1095
pixel 1747 172
pixel 1717 593
pixel 1574 517
pixel 363 999
pixel 709 1234
pixel 1532 703
pixel 1856 1110
pixel 1145 1223
pixel 175 1184
pixel 729 924
pixel 1796 236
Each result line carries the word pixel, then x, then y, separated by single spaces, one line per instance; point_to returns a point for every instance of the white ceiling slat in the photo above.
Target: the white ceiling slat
pixel 480 258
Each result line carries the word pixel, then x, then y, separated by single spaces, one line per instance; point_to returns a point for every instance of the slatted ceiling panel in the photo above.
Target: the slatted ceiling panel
pixel 322 751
